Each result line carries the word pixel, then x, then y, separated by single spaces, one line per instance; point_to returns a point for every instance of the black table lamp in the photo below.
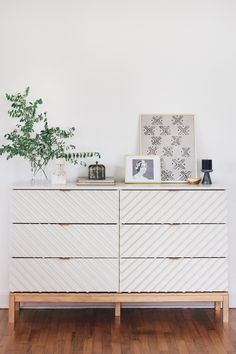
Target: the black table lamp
pixel 206 169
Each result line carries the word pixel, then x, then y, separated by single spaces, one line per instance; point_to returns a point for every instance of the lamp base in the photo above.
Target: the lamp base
pixel 206 177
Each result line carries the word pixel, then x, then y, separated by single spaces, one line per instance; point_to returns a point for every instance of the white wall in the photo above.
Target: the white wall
pixel 98 64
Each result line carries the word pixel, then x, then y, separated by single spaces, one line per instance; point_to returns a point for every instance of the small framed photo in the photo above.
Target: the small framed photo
pixel 143 169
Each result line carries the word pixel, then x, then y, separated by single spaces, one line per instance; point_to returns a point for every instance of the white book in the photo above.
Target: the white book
pixel 86 181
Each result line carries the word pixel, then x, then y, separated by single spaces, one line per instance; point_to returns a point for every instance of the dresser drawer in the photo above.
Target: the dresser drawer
pixel 73 206
pixel 65 275
pixel 173 275
pixel 173 207
pixel 68 240
pixel 178 240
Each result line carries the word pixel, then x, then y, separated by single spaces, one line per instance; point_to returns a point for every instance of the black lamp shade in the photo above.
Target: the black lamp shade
pixel 206 164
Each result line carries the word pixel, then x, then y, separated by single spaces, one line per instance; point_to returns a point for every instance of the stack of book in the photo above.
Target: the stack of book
pixel 84 181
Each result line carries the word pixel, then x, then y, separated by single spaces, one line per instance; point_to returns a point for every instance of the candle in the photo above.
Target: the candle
pixel 206 164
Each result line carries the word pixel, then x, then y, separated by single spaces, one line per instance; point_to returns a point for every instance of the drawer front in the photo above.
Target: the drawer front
pixel 173 275
pixel 51 240
pixel 173 240
pixel 62 275
pixel 49 206
pixel 173 207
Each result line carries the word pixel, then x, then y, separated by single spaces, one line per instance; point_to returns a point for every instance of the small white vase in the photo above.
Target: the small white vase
pixel 59 176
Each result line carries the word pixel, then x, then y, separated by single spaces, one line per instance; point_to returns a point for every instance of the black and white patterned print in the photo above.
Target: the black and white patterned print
pixel 167 175
pixel 172 137
pixel 177 120
pixel 165 129
pixel 183 129
pixel 149 130
pixel 157 120
pixel 176 140
pixel 178 164
pixel 185 175
pixel 167 151
pixel 152 150
pixel 156 140
pixel 185 152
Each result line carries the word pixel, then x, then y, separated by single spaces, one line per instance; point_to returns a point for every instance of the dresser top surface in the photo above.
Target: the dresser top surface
pixel 119 186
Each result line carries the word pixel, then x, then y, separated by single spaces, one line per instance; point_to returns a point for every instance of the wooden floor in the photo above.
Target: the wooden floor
pixel 140 331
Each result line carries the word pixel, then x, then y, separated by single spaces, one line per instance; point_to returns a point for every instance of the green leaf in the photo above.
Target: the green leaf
pixel 34 139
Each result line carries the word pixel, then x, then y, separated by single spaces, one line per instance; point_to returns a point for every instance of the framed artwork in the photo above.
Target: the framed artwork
pixel 143 169
pixel 172 137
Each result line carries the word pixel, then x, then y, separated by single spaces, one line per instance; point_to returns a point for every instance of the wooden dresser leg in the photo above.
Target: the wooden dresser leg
pixel 11 313
pixel 117 309
pixel 217 306
pixel 226 309
pixel 17 306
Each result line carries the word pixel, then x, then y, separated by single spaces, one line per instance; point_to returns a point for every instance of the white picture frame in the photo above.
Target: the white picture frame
pixel 170 136
pixel 142 169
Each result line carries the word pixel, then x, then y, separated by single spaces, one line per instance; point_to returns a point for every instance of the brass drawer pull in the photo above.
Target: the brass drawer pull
pixel 64 258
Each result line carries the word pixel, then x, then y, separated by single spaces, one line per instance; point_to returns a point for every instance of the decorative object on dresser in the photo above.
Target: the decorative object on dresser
pixel 124 243
pixel 196 180
pixel 97 172
pixel 59 176
pixel 34 140
pixel 83 181
pixel 172 137
pixel 143 169
pixel 206 169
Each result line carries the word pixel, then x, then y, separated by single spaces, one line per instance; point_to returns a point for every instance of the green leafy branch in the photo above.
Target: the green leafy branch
pixel 33 139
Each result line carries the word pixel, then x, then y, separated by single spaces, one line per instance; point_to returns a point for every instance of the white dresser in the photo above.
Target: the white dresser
pixel 125 243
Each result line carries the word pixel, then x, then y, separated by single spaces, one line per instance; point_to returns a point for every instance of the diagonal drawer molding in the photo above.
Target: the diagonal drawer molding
pixel 173 207
pixel 52 240
pixel 50 206
pixel 173 275
pixel 65 275
pixel 173 240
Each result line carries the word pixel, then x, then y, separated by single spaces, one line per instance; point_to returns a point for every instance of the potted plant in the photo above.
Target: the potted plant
pixel 34 140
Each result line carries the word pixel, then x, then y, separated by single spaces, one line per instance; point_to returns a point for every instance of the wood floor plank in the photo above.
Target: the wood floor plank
pixel 138 331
